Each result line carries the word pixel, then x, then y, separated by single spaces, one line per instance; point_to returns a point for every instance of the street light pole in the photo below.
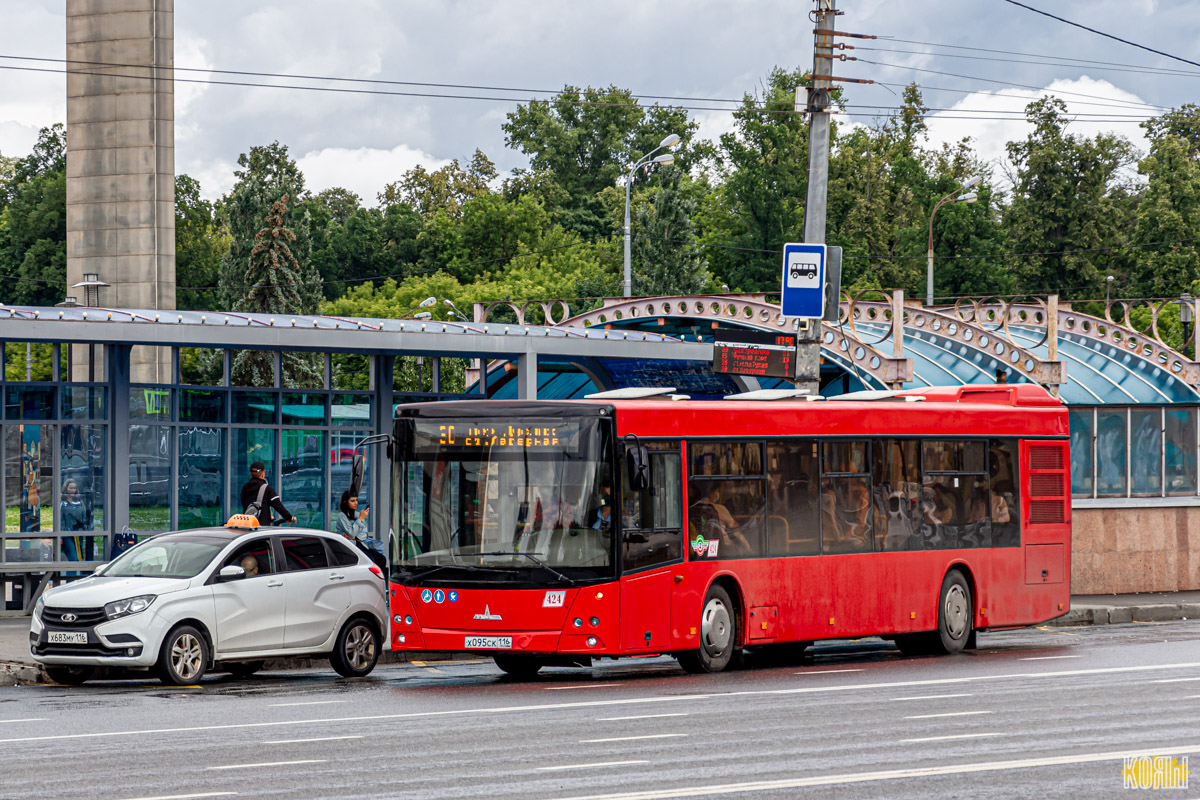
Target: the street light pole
pixel 970 197
pixel 666 158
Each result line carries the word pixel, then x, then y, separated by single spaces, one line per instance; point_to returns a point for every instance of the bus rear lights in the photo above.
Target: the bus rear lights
pixel 594 622
pixel 592 641
pixel 577 622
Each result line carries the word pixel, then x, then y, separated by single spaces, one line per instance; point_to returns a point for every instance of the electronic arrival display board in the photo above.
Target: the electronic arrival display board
pixel 495 436
pixel 737 351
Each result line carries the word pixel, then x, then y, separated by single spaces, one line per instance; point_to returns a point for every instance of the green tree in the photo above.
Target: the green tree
pixel 273 280
pixel 267 173
pixel 200 244
pixel 1067 202
pixel 666 257
pixel 444 190
pixel 33 223
pixel 760 206
pixel 1169 212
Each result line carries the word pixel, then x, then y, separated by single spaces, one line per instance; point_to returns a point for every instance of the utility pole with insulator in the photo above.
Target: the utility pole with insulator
pixel 816 101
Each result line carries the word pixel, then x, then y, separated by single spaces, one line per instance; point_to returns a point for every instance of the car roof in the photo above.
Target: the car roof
pixel 230 534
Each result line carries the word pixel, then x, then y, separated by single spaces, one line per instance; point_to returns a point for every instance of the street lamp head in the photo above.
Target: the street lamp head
pixel 969 197
pixel 1110 279
pixel 665 158
pixel 671 140
pixel 422 315
pixel 427 302
pixel 971 183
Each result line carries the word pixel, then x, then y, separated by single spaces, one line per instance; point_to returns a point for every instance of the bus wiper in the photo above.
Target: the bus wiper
pixel 417 579
pixel 535 560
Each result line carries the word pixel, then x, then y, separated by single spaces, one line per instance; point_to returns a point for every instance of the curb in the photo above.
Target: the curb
pixel 1116 615
pixel 20 674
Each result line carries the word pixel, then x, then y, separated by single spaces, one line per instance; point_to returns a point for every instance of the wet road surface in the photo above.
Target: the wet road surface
pixel 1037 713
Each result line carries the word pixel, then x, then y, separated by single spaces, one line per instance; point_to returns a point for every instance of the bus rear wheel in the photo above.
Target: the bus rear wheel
pixel 519 667
pixel 718 635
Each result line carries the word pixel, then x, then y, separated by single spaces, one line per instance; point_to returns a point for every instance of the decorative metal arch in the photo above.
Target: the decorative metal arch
pixel 751 311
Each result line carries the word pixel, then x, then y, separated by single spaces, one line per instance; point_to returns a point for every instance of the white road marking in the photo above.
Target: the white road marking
pixel 634 738
pixel 825 671
pixel 1175 680
pixel 639 716
pixel 956 736
pixel 184 796
pixel 583 686
pixel 29 719
pixel 320 739
pixel 311 703
pixel 951 714
pixel 930 697
pixel 627 701
pixel 589 766
pixel 271 764
pixel 885 775
pixel 1046 658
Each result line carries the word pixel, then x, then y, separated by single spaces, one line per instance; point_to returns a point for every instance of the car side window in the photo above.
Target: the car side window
pixel 255 557
pixel 304 552
pixel 343 556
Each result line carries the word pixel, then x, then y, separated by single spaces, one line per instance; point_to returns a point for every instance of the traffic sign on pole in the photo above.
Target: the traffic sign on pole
pixel 804 280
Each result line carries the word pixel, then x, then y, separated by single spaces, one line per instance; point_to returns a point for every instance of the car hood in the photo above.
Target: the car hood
pixel 97 590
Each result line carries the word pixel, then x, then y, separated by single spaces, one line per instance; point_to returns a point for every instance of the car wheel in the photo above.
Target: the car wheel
pixel 244 669
pixel 519 667
pixel 357 649
pixel 69 676
pixel 718 635
pixel 183 658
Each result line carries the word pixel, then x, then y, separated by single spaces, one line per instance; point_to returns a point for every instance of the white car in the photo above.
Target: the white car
pixel 216 598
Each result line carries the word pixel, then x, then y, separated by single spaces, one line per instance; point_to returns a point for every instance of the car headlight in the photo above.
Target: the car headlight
pixel 130 605
pixel 38 606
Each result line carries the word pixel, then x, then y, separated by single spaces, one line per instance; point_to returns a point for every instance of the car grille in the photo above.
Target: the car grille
pixel 83 617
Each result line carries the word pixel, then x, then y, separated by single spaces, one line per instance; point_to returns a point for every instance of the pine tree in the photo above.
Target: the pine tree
pixel 273 280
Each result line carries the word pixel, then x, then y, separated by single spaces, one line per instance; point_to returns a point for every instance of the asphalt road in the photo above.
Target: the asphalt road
pixel 1037 713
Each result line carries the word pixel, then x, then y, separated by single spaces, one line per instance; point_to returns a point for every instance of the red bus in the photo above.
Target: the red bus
pixel 557 532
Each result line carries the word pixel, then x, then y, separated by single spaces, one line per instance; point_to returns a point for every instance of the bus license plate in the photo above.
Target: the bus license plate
pixel 488 643
pixel 63 637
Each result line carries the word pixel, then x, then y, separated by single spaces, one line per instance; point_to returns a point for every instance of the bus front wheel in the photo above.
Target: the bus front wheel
pixel 955 614
pixel 718 635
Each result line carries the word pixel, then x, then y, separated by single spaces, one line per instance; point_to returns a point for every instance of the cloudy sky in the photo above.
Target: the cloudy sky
pixel 699 48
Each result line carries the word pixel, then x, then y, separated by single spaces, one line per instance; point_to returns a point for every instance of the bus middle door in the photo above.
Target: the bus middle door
pixel 652 551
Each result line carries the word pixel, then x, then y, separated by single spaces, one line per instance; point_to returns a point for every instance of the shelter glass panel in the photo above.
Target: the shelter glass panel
pixel 351 411
pixel 201 405
pixel 29 402
pixel 303 477
pixel 150 477
pixel 303 408
pixel 1145 450
pixel 82 502
pixel 255 408
pixel 201 476
pixel 28 482
pixel 339 482
pixel 84 402
pixel 250 445
pixel 151 403
pixel 1082 456
pixel 1112 447
pixel 1180 457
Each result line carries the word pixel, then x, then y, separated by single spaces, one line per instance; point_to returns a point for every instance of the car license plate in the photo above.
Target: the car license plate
pixel 488 643
pixel 65 637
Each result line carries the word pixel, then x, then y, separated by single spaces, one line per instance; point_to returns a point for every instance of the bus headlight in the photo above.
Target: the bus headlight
pixel 592 641
pixel 594 621
pixel 577 622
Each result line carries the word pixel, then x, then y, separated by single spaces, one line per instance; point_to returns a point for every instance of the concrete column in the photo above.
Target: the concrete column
pixel 121 160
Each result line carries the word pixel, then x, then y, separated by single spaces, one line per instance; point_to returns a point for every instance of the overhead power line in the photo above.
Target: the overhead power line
pixel 1111 68
pixel 973 49
pixel 1102 33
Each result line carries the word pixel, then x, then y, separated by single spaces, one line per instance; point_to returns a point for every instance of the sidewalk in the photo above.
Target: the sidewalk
pixel 16 665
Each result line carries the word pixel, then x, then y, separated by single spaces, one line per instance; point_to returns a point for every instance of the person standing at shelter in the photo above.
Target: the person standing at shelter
pixel 259 497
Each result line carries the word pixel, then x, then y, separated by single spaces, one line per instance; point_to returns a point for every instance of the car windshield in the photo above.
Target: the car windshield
pixel 504 500
pixel 180 556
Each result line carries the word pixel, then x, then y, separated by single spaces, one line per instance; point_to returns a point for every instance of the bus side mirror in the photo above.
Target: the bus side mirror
pixel 356 475
pixel 637 465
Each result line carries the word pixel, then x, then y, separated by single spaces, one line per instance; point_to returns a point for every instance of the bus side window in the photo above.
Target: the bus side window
pixel 652 519
pixel 1005 504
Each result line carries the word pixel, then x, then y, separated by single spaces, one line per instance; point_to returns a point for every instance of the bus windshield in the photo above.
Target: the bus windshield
pixel 490 499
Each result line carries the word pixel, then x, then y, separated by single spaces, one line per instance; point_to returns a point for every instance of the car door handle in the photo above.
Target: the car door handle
pixel 337 577
pixel 273 584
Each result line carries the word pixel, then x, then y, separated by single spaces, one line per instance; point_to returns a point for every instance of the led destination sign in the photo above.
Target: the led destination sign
pixel 762 353
pixel 467 435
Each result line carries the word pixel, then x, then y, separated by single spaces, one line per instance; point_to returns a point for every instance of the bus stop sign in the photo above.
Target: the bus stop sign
pixel 804 280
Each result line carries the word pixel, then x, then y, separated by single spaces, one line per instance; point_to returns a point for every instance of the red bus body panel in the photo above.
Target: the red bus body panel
pixel 799 598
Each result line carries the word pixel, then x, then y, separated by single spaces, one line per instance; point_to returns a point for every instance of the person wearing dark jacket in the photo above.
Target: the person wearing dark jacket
pixel 270 497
